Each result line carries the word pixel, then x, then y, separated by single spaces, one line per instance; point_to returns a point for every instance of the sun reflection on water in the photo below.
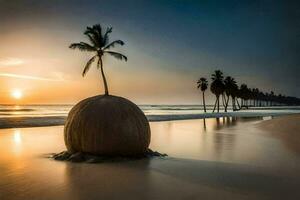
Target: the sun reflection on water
pixel 17 137
pixel 17 141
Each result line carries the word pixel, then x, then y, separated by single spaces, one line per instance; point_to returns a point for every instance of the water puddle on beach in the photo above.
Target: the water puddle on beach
pixel 237 141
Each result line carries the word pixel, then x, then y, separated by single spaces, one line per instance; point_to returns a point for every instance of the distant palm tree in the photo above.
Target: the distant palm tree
pixel 99 45
pixel 272 96
pixel 230 90
pixel 244 93
pixel 234 95
pixel 248 96
pixel 256 96
pixel 202 85
pixel 217 87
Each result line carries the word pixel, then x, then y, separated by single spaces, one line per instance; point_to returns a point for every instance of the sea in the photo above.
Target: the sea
pixel 44 115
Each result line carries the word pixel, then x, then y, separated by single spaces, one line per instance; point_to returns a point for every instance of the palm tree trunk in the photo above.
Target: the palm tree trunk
pixel 215 105
pixel 218 104
pixel 226 103
pixel 203 101
pixel 223 100
pixel 237 100
pixel 233 104
pixel 103 76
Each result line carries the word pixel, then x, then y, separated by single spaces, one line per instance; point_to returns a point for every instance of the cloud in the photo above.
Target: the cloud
pixel 20 76
pixel 11 62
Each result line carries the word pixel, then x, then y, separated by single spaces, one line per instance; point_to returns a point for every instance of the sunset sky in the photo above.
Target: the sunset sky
pixel 169 45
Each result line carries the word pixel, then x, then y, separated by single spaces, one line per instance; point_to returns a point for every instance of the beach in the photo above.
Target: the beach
pixel 216 158
pixel 149 100
pixel 285 128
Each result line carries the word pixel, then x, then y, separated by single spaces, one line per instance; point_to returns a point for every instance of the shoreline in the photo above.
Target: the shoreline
pixel 26 122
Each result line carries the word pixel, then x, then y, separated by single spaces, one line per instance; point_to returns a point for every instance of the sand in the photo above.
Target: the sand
pixel 285 128
pixel 215 159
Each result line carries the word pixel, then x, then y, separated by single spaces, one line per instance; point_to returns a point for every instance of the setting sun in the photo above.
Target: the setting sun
pixel 17 94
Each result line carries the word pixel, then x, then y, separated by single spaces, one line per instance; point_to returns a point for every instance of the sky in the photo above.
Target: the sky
pixel 169 44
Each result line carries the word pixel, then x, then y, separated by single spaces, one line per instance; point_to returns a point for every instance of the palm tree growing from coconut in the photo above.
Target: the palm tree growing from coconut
pixel 100 45
pixel 104 125
pixel 217 87
pixel 203 85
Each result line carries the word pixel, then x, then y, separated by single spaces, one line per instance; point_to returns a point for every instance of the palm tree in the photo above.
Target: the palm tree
pixel 217 87
pixel 272 96
pixel 202 84
pixel 255 96
pixel 234 94
pixel 230 90
pixel 100 45
pixel 244 93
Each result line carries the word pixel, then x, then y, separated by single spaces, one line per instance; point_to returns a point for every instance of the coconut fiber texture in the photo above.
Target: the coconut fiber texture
pixel 107 125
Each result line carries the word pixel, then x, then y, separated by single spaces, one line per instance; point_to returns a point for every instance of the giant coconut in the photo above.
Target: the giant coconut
pixel 107 125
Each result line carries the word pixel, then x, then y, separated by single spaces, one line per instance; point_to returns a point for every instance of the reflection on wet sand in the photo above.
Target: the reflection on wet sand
pixel 199 139
pixel 204 125
pixel 175 179
pixel 209 140
pixel 225 139
pixel 222 122
pixel 129 180
pixel 209 158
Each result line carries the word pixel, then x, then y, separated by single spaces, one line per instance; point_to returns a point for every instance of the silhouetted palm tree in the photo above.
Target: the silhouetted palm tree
pixel 217 87
pixel 244 94
pixel 234 94
pixel 100 45
pixel 249 96
pixel 202 85
pixel 255 96
pixel 230 90
pixel 272 96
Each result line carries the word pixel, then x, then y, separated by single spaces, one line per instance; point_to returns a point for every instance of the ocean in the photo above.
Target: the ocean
pixel 45 115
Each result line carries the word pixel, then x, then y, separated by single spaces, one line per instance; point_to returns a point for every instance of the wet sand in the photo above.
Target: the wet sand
pixel 213 159
pixel 285 128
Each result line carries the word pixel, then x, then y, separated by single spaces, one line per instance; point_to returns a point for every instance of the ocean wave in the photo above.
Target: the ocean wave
pixel 33 114
pixel 17 110
pixel 20 122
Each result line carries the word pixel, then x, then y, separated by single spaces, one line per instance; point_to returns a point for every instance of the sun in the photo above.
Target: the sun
pixel 17 94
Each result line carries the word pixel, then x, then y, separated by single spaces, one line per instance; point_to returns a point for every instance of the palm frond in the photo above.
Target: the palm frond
pixel 116 55
pixel 88 65
pixel 93 40
pixel 96 33
pixel 82 46
pixel 105 37
pixel 112 44
pixel 92 32
pixel 98 30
